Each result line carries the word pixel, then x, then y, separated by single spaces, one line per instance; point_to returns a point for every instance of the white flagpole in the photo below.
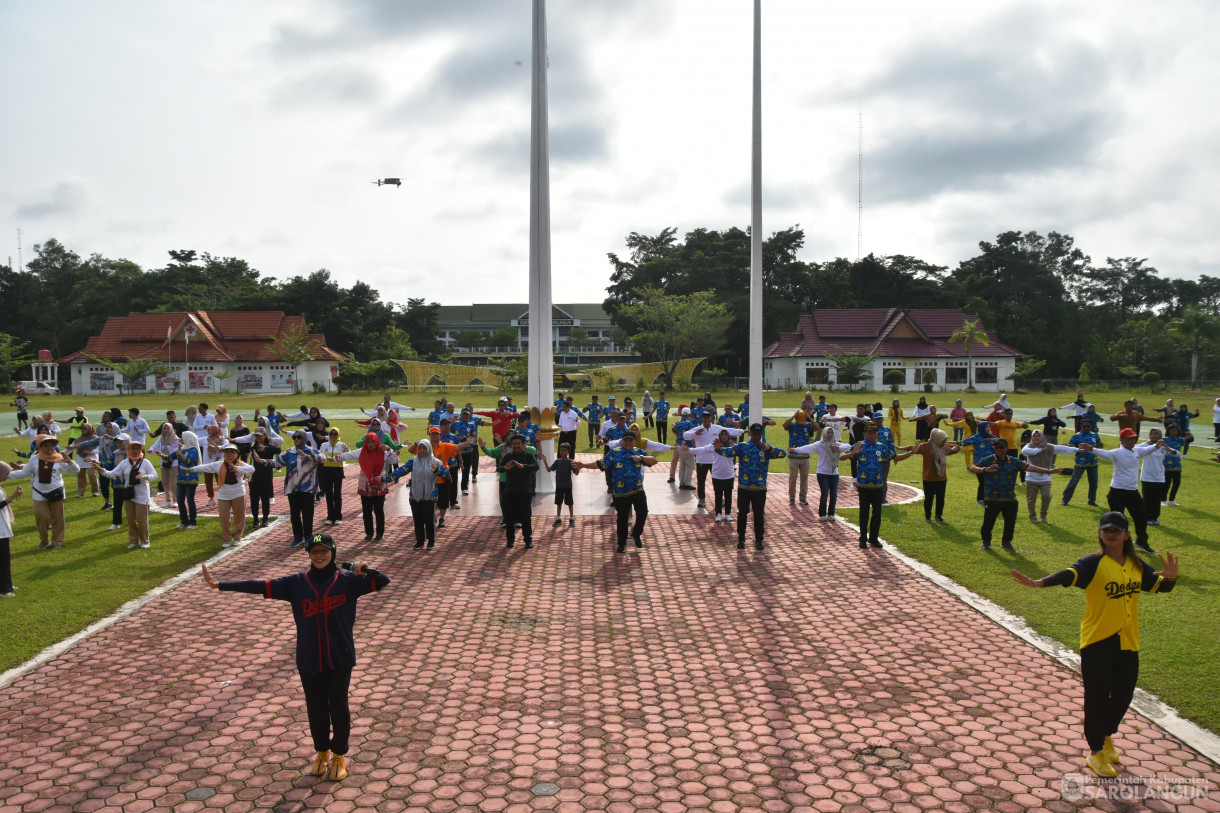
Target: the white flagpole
pixel 541 361
pixel 756 343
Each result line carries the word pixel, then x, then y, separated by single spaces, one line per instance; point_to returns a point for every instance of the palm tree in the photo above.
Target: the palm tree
pixel 1198 328
pixel 968 334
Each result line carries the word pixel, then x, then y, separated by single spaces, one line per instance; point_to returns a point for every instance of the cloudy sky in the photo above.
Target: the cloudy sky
pixel 253 130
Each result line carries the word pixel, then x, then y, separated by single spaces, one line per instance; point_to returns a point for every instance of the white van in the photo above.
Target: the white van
pixel 38 388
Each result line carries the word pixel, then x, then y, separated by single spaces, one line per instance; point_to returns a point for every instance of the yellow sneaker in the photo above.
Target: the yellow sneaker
pixel 1098 764
pixel 321 763
pixel 339 768
pixel 1110 751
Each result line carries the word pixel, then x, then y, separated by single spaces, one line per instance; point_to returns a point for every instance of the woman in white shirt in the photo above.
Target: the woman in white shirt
pixel 6 533
pixel 828 450
pixel 45 471
pixel 167 445
pixel 231 474
pixel 1152 477
pixel 1041 454
pixel 1216 420
pixel 134 472
pixel 330 476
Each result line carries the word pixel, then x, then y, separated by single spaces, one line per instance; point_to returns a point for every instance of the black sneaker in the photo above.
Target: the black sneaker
pixel 759 545
pixel 529 544
pixel 621 547
pixel 986 546
pixel 556 523
pixel 378 538
pixel 106 507
pixel 1008 547
pixel 509 544
pixel 1144 547
pixel 639 542
pixel 368 537
pixel 440 523
pixel 875 543
pixel 863 544
pixel 670 480
pixel 941 520
pixel 741 543
pixel 431 545
pixel 1092 504
pixel 418 546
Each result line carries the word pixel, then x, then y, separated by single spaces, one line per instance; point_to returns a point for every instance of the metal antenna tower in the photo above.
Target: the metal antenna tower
pixel 20 259
pixel 860 188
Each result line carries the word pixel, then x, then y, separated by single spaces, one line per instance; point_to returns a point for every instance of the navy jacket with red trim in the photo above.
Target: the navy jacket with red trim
pixel 324 608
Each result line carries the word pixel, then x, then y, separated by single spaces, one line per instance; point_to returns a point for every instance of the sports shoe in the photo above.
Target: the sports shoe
pixel 875 543
pixel 863 544
pixel 328 522
pixel 455 507
pixel 700 504
pixel 558 521
pixel 418 546
pixel 321 763
pixel 720 517
pixel 338 768
pixel 1100 765
pixel 113 528
pixel 741 543
pixel 465 493
pixel 1156 522
pixel 181 526
pixel 44 545
pixel 571 522
pixel 759 545
pixel 377 538
pixel 1173 502
pixel 639 542
pixel 1008 547
pixel 1110 751
pixel 298 541
pixel 986 546
pixel 792 501
pixel 1164 502
pixel 804 502
pixel 440 523
pixel 671 480
pixel 1145 547
pixel 1092 504
pixel 621 547
pixel 529 544
pixel 1063 502
pixel 106 507
pixel 132 545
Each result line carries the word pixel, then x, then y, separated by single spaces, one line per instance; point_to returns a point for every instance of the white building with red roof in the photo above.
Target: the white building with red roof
pixel 913 341
pixel 197 345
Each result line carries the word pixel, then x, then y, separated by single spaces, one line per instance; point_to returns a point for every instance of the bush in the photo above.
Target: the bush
pixel 1153 380
pixel 1046 385
pixel 927 387
pixel 319 387
pixel 895 378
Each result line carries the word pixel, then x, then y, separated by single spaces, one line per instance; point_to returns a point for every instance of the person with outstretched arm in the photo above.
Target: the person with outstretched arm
pixel 1112 581
pixel 323 600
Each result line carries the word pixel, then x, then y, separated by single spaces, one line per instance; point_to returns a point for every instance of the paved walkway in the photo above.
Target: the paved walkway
pixel 683 676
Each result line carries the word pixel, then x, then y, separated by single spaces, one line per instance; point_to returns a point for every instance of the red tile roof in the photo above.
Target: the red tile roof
pixel 221 336
pixel 870 330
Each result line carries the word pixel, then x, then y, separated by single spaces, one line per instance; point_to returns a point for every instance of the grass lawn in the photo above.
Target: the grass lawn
pixel 61 592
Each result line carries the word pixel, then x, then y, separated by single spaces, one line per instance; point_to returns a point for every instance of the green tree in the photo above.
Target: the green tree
pixel 1198 330
pixel 672 328
pixel 895 378
pixel 504 337
pixel 851 366
pixel 1026 368
pixel 470 338
pixel 578 337
pixel 294 347
pixel 134 370
pixel 223 376
pixel 12 358
pixel 970 334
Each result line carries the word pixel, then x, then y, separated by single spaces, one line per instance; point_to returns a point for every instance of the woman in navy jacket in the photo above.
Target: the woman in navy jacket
pixel 323 602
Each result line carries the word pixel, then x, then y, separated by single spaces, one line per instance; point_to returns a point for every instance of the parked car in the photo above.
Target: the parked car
pixel 38 388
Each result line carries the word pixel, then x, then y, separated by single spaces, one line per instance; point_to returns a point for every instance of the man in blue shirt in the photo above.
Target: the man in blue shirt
pixel 662 418
pixel 871 456
pixel 593 413
pixel 800 429
pixel 624 468
pixel 466 428
pixel 754 460
pixel 1000 490
pixel 683 457
pixel 1086 462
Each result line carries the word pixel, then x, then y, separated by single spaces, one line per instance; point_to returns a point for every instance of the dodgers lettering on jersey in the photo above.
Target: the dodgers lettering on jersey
pixel 1112 593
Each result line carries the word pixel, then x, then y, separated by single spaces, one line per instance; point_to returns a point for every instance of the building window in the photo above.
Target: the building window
pixel 817 375
pixel 985 375
pixel 955 375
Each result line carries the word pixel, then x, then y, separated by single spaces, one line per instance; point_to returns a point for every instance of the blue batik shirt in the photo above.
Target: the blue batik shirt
pixel 680 428
pixel 626 471
pixel 301 469
pixel 1001 485
pixel 753 464
pixel 662 409
pixel 870 463
pixel 594 412
pixel 800 434
pixel 530 431
pixel 1088 460
pixel 819 410
pixel 724 420
pixel 1173 462
pixel 434 417
pixel 465 429
pixel 982 445
pixel 616 432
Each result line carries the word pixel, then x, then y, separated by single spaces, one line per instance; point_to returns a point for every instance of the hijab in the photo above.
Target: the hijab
pixel 372 457
pixel 830 444
pixel 423 475
pixel 1045 453
pixel 936 444
pixel 190 441
pixel 5 471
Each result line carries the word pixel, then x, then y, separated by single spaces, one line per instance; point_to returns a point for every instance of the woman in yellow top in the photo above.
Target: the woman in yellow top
pixel 1112 581
pixel 969 424
pixel 896 419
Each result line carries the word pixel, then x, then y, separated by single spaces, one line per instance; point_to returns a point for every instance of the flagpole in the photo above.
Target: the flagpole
pixel 756 343
pixel 541 360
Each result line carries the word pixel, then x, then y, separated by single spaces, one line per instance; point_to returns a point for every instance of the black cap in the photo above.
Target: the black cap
pixel 756 427
pixel 1113 519
pixel 325 540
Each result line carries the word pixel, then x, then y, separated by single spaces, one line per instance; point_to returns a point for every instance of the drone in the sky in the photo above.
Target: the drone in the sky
pixel 388 182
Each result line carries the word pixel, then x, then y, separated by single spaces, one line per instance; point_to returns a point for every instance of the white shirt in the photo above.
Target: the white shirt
pixel 6 518
pixel 826 463
pixel 201 423
pixel 122 471
pixel 1153 470
pixel 138 428
pixel 1216 414
pixel 394 405
pixel 918 412
pixel 166 450
pixel 228 491
pixel 1126 465
pixel 703 449
pixel 644 445
pixel 569 420
pixel 1033 476
pixel 331 452
pixel 30 470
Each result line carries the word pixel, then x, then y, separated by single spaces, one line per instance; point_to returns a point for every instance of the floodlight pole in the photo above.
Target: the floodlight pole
pixel 756 293
pixel 541 360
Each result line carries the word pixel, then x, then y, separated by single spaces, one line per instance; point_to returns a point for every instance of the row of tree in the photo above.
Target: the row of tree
pixel 1041 295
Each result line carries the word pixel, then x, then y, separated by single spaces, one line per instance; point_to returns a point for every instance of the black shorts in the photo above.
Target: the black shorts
pixel 563 496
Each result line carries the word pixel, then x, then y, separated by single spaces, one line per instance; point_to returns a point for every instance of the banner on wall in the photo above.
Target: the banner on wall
pixel 281 382
pixel 201 381
pixel 251 381
pixel 137 385
pixel 167 382
pixel 101 381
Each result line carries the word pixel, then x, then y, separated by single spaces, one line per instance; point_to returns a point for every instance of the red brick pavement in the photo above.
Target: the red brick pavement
pixel 684 676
